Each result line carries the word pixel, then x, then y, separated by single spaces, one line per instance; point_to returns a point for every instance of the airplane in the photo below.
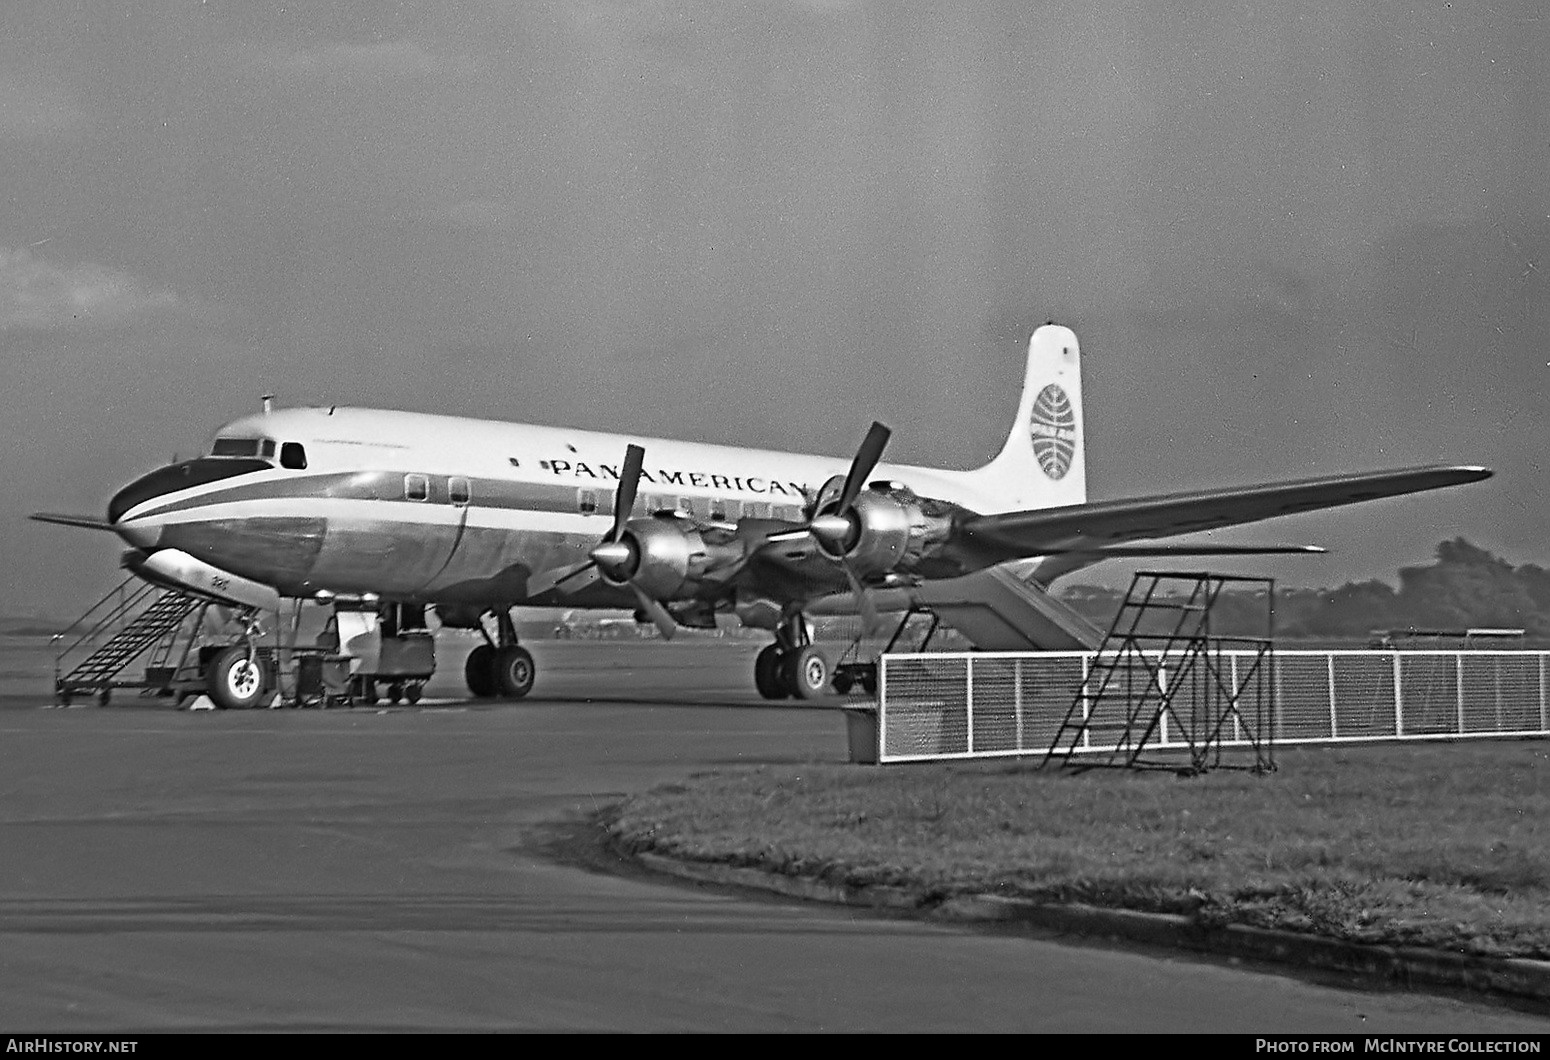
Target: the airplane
pixel 475 517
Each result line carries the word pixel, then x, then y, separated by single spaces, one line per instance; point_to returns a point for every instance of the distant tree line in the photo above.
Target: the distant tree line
pixel 1467 587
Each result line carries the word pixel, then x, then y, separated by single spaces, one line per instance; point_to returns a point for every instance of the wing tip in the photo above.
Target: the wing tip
pixel 87 522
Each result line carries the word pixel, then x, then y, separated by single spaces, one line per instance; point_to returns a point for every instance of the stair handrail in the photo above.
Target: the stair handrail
pixel 114 614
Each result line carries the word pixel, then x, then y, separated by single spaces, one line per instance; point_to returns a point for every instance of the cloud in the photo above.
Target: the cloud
pixel 36 295
pixel 33 108
pixel 384 59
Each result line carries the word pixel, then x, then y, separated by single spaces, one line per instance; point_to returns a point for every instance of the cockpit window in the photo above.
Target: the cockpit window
pixel 235 447
pixel 293 456
pixel 262 447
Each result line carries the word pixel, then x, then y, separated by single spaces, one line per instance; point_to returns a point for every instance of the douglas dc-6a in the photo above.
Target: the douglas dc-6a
pixel 476 517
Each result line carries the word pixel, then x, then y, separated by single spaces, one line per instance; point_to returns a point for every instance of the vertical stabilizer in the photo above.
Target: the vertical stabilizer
pixel 1042 464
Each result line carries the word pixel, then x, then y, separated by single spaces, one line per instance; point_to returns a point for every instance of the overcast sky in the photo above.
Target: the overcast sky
pixel 1294 239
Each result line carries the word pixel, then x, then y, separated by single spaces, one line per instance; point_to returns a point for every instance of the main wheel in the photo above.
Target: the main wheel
pixel 479 671
pixel 412 692
pixel 843 682
pixel 807 672
pixel 514 671
pixel 766 673
pixel 235 681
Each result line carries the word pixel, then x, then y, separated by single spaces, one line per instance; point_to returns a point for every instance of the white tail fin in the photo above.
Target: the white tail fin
pixel 1042 464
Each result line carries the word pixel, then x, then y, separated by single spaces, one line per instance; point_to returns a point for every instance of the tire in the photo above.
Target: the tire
pixel 843 682
pixel 395 693
pixel 368 691
pixel 767 673
pixel 479 671
pixel 233 681
pixel 412 693
pixel 807 672
pixel 514 671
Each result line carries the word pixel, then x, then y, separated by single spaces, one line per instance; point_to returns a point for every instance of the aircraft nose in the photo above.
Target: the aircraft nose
pixel 135 530
pixel 138 534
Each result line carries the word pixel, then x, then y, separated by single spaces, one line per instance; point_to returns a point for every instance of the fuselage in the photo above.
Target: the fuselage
pixel 417 507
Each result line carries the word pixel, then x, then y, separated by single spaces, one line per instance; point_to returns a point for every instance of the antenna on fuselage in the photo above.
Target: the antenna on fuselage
pixel 268 400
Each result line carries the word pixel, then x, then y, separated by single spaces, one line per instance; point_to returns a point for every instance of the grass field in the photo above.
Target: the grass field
pixel 1444 845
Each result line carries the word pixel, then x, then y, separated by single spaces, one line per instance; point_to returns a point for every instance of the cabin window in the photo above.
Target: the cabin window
pixel 458 491
pixel 417 487
pixel 586 502
pixel 785 511
pixel 293 456
pixel 757 509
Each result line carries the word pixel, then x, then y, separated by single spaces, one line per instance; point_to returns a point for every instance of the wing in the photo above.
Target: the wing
pixel 87 522
pixel 1103 527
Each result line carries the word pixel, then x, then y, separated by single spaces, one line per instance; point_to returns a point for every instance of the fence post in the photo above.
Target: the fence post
pixel 1334 727
pixel 1458 687
pixel 882 707
pixel 1237 697
pixel 1087 700
pixel 1017 699
pixel 968 702
pixel 1399 705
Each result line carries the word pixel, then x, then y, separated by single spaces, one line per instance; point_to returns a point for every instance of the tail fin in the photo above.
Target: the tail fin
pixel 1042 464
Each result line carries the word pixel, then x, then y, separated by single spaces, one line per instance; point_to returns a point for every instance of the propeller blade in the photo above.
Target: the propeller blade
pixel 864 604
pixel 554 577
pixel 867 456
pixel 624 496
pixel 664 621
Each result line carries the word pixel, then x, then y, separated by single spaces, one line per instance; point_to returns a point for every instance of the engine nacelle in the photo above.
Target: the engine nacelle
pixel 891 530
pixel 667 558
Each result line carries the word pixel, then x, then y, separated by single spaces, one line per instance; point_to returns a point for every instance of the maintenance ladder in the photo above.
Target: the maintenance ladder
pixel 1164 675
pixel 132 619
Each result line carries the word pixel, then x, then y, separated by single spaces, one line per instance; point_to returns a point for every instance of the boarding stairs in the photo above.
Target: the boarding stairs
pixel 133 619
pixel 1163 679
pixel 996 610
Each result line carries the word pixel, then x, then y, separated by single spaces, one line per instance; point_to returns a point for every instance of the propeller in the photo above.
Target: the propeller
pixel 833 529
pixel 612 555
pixel 610 547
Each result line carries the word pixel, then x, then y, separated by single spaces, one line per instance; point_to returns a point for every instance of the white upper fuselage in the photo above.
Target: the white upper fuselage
pixel 410 505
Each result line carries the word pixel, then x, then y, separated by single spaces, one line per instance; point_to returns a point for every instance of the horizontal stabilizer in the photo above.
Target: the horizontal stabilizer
pixel 88 522
pixel 1098 527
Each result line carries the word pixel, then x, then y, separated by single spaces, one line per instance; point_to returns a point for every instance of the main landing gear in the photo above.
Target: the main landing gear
pixel 793 666
pixel 500 667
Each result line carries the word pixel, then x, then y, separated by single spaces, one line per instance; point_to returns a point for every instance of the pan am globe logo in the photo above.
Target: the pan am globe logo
pixel 1053 429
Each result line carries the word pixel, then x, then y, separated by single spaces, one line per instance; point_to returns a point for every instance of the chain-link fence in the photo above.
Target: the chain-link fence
pixel 984 704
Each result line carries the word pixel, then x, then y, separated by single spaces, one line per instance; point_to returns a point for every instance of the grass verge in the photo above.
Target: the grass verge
pixel 1442 845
